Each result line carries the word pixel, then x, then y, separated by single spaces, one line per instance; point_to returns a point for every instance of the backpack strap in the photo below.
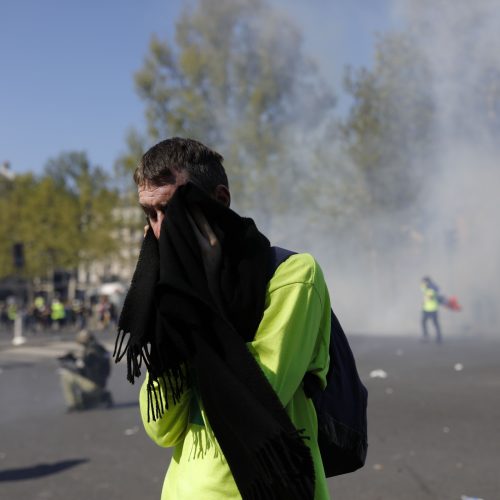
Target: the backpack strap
pixel 312 386
pixel 278 255
pixel 341 407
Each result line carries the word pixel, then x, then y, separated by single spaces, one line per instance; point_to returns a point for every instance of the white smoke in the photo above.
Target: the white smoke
pixel 459 245
pixel 461 40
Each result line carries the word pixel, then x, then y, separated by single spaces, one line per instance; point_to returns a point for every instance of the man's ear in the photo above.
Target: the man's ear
pixel 222 195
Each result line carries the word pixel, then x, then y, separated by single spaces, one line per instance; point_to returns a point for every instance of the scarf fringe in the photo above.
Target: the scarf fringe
pixel 119 351
pixel 135 355
pixel 164 389
pixel 203 441
pixel 160 385
pixel 282 466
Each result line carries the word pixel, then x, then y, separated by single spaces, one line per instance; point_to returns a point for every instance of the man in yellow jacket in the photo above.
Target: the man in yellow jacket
pixel 226 348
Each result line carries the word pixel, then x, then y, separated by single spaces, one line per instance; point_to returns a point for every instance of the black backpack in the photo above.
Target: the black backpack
pixel 341 407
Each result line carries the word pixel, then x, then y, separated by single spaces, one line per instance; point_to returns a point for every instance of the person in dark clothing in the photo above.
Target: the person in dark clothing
pixel 84 379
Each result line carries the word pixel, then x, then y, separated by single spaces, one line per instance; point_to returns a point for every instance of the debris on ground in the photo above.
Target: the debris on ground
pixel 378 374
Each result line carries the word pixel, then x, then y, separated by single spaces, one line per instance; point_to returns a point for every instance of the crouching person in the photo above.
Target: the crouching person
pixel 84 379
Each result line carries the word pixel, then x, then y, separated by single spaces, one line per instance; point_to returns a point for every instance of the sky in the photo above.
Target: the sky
pixel 66 80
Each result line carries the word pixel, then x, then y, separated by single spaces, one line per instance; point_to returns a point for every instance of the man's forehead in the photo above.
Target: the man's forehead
pixel 153 195
pixel 149 189
pixel 178 178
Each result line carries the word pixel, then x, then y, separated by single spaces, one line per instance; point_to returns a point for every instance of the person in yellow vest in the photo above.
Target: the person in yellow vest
pixel 40 312
pixel 430 308
pixel 57 313
pixel 39 303
pixel 11 310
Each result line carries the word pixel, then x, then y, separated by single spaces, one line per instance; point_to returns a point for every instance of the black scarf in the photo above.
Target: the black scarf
pixel 170 319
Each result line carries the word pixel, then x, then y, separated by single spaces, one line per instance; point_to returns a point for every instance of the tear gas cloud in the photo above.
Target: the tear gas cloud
pixel 461 41
pixel 459 243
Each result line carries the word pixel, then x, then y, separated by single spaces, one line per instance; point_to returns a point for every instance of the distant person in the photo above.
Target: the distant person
pixel 106 312
pixel 40 312
pixel 57 313
pixel 11 310
pixel 79 314
pixel 430 308
pixel 3 315
pixel 84 379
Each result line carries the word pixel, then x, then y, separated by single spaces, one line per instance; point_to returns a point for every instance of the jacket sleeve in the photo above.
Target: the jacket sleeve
pixel 293 336
pixel 171 427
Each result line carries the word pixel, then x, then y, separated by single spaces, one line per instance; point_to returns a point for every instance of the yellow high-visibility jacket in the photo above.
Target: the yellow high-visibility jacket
pixel 293 338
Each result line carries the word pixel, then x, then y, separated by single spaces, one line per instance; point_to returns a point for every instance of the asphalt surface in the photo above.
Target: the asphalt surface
pixel 434 426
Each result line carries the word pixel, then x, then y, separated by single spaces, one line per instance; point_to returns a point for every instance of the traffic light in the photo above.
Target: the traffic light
pixel 18 255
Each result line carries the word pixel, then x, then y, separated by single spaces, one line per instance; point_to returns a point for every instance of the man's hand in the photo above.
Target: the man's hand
pixel 210 249
pixel 209 244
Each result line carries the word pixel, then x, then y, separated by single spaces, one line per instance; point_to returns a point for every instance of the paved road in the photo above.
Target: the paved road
pixel 48 454
pixel 434 427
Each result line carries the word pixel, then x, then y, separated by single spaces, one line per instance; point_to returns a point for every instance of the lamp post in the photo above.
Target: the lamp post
pixel 18 257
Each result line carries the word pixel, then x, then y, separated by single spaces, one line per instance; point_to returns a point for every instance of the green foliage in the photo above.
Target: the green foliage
pixel 94 220
pixel 235 79
pixel 39 214
pixel 389 133
pixel 64 218
pixel 126 164
pixel 132 217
